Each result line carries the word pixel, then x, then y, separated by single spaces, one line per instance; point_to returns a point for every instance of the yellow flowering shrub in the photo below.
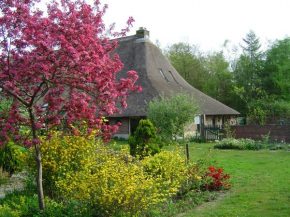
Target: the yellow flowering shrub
pixel 63 156
pixel 169 168
pixel 114 183
pixel 83 169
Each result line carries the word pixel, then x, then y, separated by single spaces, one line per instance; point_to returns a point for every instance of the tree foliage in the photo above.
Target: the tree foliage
pixel 219 82
pixel 145 141
pixel 172 114
pixel 254 82
pixel 187 60
pixel 276 75
pixel 58 66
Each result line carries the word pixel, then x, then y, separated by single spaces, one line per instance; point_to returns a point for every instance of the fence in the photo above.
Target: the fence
pixel 277 133
pixel 212 132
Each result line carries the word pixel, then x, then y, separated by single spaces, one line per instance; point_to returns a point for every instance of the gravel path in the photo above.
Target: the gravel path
pixel 14 183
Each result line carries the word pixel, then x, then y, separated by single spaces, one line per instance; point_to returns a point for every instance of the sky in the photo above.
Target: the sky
pixel 207 23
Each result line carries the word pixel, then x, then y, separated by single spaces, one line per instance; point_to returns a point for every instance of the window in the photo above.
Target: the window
pixel 163 75
pixel 173 77
pixel 118 122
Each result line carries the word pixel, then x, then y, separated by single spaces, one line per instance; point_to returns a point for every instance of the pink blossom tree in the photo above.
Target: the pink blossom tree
pixel 58 66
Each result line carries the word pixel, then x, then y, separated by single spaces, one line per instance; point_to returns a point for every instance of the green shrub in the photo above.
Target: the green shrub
pixel 239 144
pixel 23 203
pixel 10 158
pixel 197 139
pixel 6 211
pixel 145 141
pixel 229 143
pixel 116 138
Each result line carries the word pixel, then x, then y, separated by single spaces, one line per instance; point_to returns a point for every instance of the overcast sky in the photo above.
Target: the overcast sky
pixel 207 23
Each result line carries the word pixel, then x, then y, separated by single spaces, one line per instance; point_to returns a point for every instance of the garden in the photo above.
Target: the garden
pixel 82 176
pixel 57 86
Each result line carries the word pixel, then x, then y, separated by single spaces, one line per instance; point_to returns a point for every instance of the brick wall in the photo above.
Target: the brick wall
pixel 277 132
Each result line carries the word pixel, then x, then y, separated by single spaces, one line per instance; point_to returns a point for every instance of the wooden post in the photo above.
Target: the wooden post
pixel 187 152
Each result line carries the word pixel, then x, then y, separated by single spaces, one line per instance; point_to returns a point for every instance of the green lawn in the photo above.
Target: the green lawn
pixel 260 179
pixel 260 182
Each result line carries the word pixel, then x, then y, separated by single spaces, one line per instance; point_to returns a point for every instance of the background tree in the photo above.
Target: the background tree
pixel 276 79
pixel 55 67
pixel 255 83
pixel 219 83
pixel 208 72
pixel 172 114
pixel 250 64
pixel 187 60
pixel 247 78
pixel 276 74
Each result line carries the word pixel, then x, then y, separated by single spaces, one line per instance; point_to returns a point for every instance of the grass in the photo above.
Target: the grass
pixel 260 181
pixel 118 145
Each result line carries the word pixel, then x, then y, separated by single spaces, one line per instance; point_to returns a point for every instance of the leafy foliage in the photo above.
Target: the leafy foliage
pixel 21 203
pixel 240 144
pixel 197 139
pixel 254 82
pixel 276 73
pixel 10 158
pixel 145 140
pixel 187 60
pixel 172 114
pixel 215 179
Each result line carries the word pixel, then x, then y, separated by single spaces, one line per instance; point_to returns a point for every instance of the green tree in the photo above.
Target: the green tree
pixel 172 114
pixel 247 77
pixel 276 74
pixel 145 141
pixel 219 83
pixel 187 60
pixel 250 64
pixel 276 79
pixel 257 110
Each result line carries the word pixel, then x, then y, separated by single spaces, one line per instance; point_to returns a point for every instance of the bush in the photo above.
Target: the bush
pixel 228 144
pixel 86 175
pixel 119 183
pixel 116 138
pixel 107 182
pixel 167 166
pixel 215 180
pixel 145 141
pixel 6 211
pixel 197 139
pixel 63 155
pixel 10 158
pixel 239 144
pixel 21 203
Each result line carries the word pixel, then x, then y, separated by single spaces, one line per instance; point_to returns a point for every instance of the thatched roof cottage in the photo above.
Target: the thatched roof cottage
pixel 157 75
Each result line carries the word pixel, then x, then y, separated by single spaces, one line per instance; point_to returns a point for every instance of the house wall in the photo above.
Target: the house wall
pixel 191 130
pixel 123 130
pixel 220 119
pixel 278 133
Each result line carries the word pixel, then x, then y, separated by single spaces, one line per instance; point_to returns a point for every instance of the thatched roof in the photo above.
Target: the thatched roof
pixel 147 60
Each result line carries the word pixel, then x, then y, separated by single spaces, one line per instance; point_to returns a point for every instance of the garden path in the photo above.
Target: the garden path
pixel 14 183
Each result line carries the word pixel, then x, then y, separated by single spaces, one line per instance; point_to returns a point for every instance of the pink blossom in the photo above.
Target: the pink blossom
pixel 68 72
pixel 38 125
